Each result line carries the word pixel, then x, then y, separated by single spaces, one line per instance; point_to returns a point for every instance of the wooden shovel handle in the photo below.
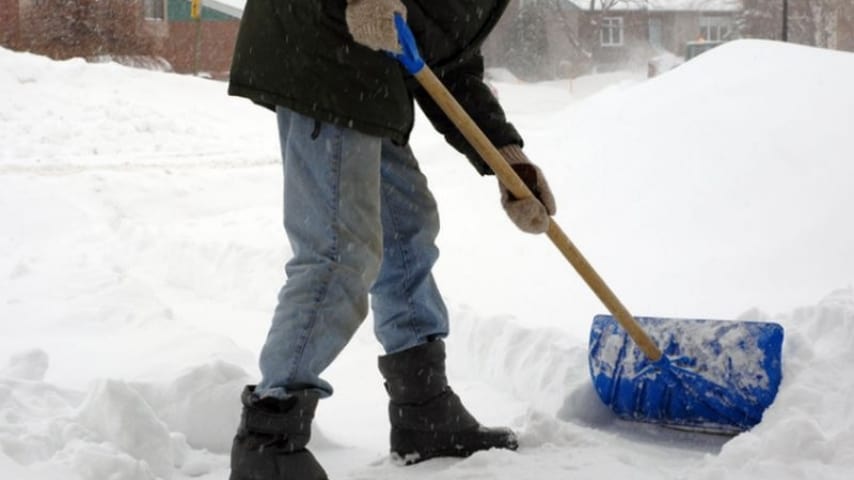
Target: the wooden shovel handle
pixel 508 177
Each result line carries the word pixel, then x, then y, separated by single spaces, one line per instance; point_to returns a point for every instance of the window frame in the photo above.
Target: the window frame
pixel 609 28
pixel 715 29
pixel 149 10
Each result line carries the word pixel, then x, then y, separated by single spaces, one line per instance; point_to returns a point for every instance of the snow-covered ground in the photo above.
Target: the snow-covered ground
pixel 142 252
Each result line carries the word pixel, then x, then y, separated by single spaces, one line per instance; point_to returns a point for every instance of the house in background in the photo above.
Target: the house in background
pixel 217 31
pixel 561 38
pixel 538 39
pixel 629 34
pixel 129 31
pixel 535 39
pixel 9 23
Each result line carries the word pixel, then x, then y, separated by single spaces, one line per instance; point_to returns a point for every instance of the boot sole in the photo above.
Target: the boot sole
pixel 410 447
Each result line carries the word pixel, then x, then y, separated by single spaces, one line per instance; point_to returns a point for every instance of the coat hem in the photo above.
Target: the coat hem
pixel 271 101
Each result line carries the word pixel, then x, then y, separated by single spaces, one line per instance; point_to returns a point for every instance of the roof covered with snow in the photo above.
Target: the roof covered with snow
pixel 230 7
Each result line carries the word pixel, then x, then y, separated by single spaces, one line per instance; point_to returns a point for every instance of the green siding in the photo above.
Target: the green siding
pixel 179 11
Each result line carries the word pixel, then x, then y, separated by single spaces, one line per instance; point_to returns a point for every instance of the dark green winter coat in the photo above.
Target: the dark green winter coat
pixel 299 54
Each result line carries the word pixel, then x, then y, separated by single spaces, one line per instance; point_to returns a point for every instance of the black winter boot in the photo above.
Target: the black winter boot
pixel 271 439
pixel 427 418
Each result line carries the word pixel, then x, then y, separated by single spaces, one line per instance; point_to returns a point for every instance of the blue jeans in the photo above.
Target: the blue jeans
pixel 361 221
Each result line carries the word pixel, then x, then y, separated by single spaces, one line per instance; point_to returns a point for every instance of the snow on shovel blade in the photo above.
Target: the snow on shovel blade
pixel 715 376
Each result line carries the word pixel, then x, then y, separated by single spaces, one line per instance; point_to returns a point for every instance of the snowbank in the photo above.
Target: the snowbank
pixel 142 252
pixel 149 117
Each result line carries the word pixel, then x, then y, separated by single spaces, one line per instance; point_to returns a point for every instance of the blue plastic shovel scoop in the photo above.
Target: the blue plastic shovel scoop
pixel 714 376
pixel 704 375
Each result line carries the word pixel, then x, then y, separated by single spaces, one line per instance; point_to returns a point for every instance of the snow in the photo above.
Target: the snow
pixel 238 4
pixel 230 7
pixel 142 254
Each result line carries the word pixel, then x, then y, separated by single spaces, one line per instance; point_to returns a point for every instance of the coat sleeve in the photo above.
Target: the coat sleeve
pixel 466 83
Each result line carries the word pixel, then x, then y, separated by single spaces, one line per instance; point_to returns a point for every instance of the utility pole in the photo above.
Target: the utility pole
pixel 196 15
pixel 785 20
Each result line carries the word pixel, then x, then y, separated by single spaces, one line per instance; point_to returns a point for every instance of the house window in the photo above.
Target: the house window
pixel 612 31
pixel 154 9
pixel 715 29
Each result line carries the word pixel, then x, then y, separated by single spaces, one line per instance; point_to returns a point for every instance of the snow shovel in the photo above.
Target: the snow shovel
pixel 701 375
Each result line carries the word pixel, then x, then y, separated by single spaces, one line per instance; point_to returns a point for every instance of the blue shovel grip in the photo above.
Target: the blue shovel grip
pixel 410 58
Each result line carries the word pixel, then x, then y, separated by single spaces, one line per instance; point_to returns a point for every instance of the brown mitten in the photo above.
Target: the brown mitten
pixel 371 22
pixel 531 215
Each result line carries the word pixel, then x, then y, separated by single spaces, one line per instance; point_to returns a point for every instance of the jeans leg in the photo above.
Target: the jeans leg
pixel 408 309
pixel 332 220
